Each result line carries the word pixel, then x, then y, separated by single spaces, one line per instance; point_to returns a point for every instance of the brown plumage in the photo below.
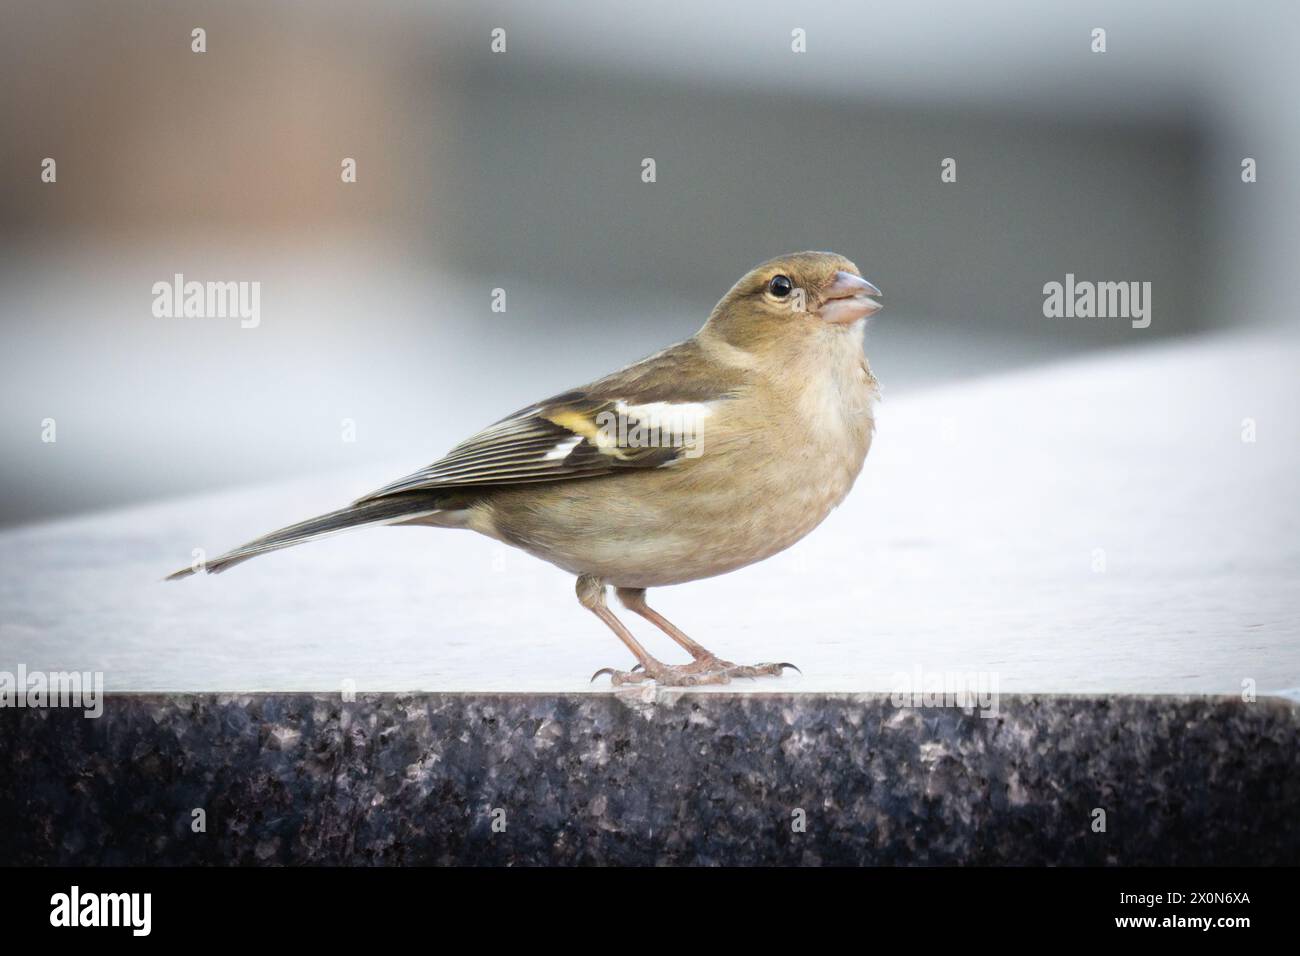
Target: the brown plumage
pixel 710 455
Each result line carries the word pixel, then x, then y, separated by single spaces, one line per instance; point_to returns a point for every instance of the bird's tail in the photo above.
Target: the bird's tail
pixel 393 510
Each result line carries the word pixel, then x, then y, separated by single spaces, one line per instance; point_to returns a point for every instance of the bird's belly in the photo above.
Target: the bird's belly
pixel 642 531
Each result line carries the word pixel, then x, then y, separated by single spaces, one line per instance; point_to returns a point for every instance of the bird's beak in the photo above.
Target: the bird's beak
pixel 848 298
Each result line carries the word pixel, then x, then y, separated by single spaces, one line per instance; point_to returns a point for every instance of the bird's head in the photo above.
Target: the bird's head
pixel 800 294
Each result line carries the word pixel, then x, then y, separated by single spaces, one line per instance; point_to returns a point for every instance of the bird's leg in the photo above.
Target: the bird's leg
pixel 706 668
pixel 634 600
pixel 591 594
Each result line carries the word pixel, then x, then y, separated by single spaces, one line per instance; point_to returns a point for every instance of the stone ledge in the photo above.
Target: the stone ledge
pixel 684 778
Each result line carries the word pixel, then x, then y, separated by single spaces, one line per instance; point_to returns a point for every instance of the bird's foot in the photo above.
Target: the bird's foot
pixel 704 670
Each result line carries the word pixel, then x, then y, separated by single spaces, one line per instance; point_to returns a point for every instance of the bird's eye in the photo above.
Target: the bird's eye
pixel 780 286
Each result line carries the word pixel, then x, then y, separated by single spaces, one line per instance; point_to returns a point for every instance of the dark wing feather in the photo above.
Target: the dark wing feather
pixel 569 436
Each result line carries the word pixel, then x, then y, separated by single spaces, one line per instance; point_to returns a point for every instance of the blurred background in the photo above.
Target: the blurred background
pixel 521 170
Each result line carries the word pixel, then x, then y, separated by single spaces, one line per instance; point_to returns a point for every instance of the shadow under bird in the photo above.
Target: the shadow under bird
pixel 711 455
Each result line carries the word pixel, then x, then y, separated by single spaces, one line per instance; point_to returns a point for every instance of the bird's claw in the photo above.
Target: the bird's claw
pixel 620 677
pixel 706 670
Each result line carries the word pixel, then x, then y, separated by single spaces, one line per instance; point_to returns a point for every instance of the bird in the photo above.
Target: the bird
pixel 708 456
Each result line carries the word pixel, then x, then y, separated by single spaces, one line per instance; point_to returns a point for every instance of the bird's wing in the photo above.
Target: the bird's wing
pixel 648 415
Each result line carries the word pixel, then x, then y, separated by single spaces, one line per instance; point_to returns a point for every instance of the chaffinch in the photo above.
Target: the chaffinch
pixel 713 454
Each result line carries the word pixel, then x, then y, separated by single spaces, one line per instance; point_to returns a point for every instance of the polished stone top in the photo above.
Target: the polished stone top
pixel 1094 526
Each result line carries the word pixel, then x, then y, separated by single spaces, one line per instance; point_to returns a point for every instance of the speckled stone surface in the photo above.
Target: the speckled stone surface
pixel 681 778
